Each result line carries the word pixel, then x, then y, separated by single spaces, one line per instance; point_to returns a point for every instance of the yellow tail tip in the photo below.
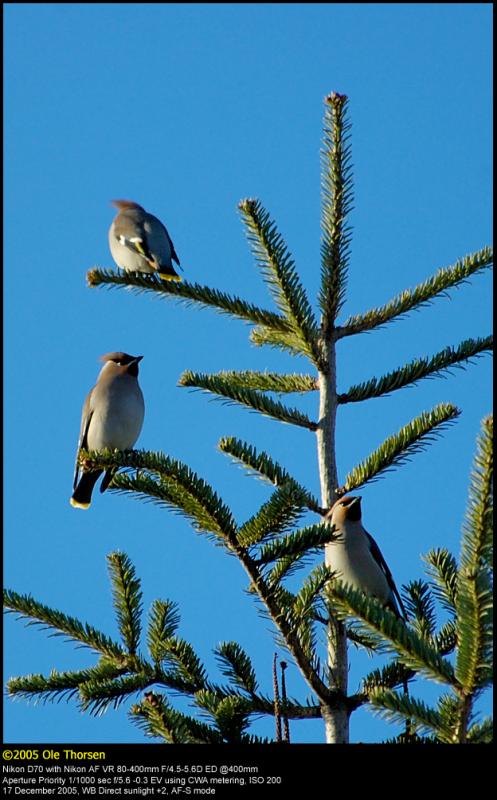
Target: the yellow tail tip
pixel 169 277
pixel 75 504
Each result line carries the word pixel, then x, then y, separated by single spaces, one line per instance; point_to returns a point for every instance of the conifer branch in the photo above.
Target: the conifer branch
pixel 302 612
pixel 256 703
pixel 218 385
pixel 400 447
pixel 443 570
pixel 159 720
pixel 362 638
pixel 275 601
pixel 478 526
pixel 264 467
pixel 218 521
pixel 279 272
pixel 289 342
pixel 226 703
pixel 388 677
pixel 449 706
pixel 296 544
pixel 191 294
pixel 411 649
pixel 229 714
pixel 97 696
pixel 420 607
pixel 163 623
pixel 182 656
pixel 259 704
pixel 236 666
pixel 107 684
pixel 410 738
pixel 173 679
pixel 421 295
pixel 268 381
pixel 397 707
pixel 286 566
pixel 482 733
pixel 175 497
pixel 179 487
pixel 336 193
pixel 59 686
pixel 446 639
pixel 127 599
pixel 416 370
pixel 281 511
pixel 474 585
pixel 62 625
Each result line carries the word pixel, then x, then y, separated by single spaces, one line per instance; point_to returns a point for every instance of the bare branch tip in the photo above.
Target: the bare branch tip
pixel 336 99
pixel 247 204
pixel 91 277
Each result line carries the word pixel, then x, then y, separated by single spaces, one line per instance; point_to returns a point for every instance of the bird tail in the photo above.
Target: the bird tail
pixel 109 474
pixel 81 497
pixel 168 273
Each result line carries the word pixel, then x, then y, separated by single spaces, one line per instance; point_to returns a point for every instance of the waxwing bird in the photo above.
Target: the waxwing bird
pixel 356 557
pixel 139 242
pixel 112 418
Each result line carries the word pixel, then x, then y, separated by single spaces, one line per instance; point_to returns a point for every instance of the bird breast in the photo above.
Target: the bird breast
pixel 353 562
pixel 118 412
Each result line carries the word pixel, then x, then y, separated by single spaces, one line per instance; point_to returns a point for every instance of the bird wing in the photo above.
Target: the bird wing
pixel 378 557
pixel 173 251
pixel 131 233
pixel 136 237
pixel 83 433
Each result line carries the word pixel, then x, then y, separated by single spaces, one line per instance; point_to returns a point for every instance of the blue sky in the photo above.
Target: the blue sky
pixel 186 109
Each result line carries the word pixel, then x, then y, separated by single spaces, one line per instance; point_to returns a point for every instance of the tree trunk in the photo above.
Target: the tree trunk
pixel 336 719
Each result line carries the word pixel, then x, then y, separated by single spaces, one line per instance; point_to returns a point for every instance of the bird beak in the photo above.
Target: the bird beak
pixel 137 359
pixel 356 500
